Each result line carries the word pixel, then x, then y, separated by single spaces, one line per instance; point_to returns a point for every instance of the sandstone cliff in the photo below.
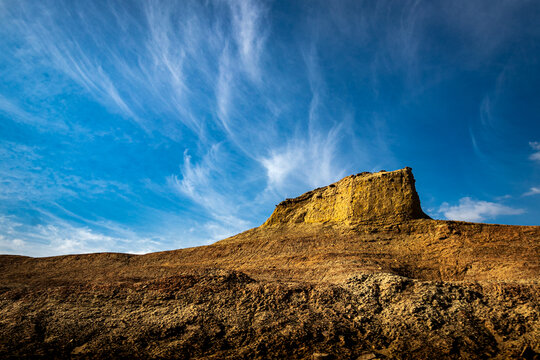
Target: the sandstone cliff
pixel 383 197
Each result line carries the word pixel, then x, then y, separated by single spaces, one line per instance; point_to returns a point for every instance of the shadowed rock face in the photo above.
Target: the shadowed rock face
pixel 383 197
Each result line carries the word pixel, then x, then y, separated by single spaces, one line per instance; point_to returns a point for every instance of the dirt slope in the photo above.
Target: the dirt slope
pixel 351 270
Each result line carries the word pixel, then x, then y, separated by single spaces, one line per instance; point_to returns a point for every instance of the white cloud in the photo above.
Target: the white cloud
pixel 25 175
pixel 50 41
pixel 532 191
pixel 487 116
pixel 311 162
pixel 164 72
pixel 68 56
pixel 223 90
pixel 206 185
pixel 535 145
pixel 239 70
pixel 195 182
pixel 59 237
pixel 17 113
pixel 247 17
pixel 218 231
pixel 476 210
pixel 280 164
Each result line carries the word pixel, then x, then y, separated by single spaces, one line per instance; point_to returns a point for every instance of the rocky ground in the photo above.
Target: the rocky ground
pixel 220 314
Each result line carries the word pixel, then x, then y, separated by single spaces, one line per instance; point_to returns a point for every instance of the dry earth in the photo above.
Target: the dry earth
pixel 354 270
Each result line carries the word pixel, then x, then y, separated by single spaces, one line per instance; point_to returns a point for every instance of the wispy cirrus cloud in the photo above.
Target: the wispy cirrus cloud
pixel 310 162
pixel 47 36
pixel 223 90
pixel 25 174
pixel 209 187
pixel 11 109
pixel 60 237
pixel 155 82
pixel 533 191
pixel 470 209
pixel 308 156
pixel 249 33
pixel 535 156
pixel 240 73
pixel 196 180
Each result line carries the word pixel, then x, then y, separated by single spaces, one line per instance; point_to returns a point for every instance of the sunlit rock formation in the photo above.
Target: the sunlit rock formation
pixel 383 197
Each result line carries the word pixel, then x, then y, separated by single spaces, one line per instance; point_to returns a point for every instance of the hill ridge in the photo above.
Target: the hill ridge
pixel 338 284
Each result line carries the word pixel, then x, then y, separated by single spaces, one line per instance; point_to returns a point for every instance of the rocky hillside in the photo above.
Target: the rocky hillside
pixel 354 270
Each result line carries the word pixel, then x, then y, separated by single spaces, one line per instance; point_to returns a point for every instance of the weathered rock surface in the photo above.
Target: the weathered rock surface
pixel 219 314
pixel 383 197
pixel 358 273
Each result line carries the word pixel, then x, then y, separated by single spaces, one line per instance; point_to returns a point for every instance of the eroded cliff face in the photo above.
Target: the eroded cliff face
pixel 383 197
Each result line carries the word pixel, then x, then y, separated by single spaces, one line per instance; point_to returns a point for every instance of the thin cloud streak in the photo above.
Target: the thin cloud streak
pixel 15 112
pixel 535 156
pixel 60 237
pixel 533 191
pixel 25 176
pixel 223 90
pixel 247 17
pixel 206 185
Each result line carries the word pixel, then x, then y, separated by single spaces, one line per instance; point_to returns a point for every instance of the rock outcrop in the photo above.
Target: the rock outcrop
pixel 383 197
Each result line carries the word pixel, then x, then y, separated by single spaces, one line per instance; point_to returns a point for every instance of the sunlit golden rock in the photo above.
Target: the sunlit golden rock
pixel 383 197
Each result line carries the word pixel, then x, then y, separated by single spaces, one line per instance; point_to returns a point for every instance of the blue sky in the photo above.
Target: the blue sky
pixel 139 126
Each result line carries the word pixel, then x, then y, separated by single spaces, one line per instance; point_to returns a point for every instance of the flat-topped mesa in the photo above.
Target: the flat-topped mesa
pixel 383 197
